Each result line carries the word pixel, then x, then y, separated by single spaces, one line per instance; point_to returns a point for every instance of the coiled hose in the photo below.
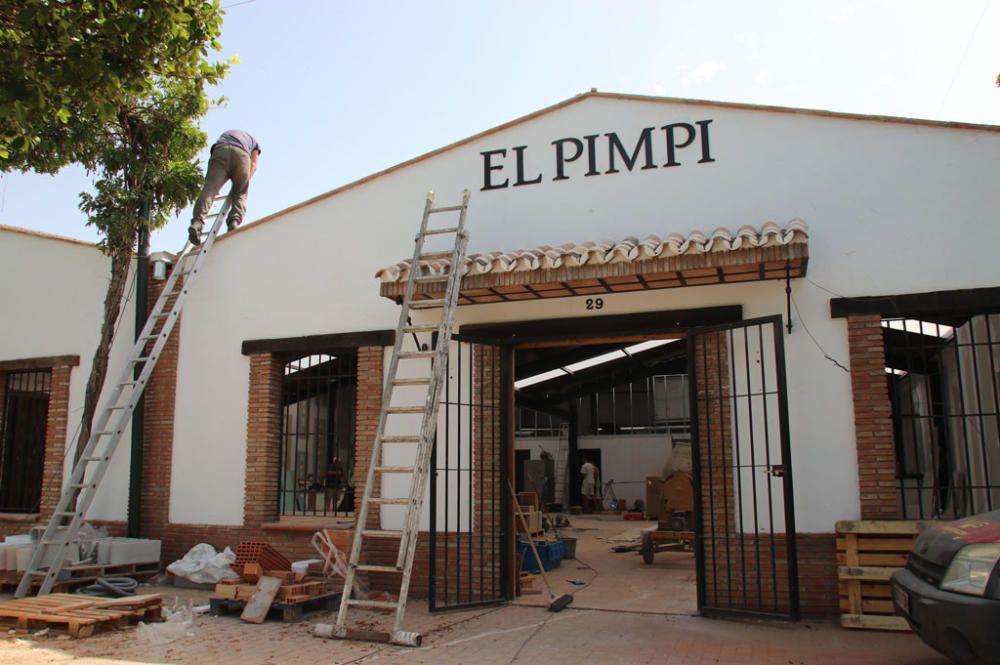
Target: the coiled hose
pixel 110 586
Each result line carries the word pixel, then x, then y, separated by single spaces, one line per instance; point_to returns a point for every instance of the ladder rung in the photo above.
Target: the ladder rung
pixel 415 355
pixel 441 231
pixel 64 513
pixel 105 432
pixel 403 438
pixel 80 485
pixel 369 568
pixel 93 459
pixel 412 382
pixel 389 502
pixel 405 409
pixel 141 359
pixel 432 256
pixel 381 604
pixel 432 278
pixel 396 469
pixel 444 209
pixel 427 304
pixel 381 533
pixel 424 327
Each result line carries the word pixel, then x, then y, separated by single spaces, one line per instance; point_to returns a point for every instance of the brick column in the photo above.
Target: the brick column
pixel 872 418
pixel 160 398
pixel 369 407
pixel 55 440
pixel 260 502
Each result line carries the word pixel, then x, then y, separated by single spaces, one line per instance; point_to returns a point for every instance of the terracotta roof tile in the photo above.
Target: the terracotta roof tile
pixel 629 250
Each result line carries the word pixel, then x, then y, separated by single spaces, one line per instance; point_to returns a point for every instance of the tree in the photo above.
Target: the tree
pixel 145 160
pixel 118 86
pixel 68 64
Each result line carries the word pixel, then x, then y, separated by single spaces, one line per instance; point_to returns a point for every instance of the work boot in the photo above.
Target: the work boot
pixel 194 236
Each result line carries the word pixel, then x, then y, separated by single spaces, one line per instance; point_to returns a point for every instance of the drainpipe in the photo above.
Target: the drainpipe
pixel 138 416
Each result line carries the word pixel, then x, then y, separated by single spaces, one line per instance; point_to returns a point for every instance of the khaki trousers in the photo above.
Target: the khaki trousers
pixel 227 163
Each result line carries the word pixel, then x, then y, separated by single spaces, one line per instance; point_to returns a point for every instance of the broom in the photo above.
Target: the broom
pixel 555 604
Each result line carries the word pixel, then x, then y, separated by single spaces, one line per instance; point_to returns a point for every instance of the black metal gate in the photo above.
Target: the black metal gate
pixel 469 502
pixel 743 476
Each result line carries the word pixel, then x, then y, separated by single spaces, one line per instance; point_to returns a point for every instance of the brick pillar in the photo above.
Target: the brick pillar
pixel 260 502
pixel 369 406
pixel 55 440
pixel 158 426
pixel 872 418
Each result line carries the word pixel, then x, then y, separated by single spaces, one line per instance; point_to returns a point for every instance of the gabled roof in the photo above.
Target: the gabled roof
pixel 594 94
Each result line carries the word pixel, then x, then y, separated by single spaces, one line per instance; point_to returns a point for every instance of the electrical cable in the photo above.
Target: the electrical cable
pixel 802 322
pixel 965 54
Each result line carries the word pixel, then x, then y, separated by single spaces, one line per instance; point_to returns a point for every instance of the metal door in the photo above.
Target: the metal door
pixel 469 521
pixel 742 469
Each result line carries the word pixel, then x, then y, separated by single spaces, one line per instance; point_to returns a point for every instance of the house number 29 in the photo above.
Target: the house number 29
pixel 595 303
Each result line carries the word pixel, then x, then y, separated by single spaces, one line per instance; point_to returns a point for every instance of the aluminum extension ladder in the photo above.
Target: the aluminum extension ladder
pixel 437 354
pixel 49 554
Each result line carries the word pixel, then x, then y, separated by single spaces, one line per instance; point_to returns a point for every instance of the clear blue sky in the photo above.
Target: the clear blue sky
pixel 336 90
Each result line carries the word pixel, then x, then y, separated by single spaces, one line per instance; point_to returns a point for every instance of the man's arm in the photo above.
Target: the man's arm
pixel 254 158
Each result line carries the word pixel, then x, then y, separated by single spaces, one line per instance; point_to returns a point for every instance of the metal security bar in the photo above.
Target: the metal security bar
pixel 25 404
pixel 745 522
pixel 317 434
pixel 944 386
pixel 469 521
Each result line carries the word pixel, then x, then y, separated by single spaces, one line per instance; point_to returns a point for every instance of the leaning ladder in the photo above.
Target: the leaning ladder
pixel 110 422
pixel 437 354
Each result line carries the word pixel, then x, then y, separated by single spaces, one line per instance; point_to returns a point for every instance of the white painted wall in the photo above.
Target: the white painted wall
pixel 891 207
pixel 51 304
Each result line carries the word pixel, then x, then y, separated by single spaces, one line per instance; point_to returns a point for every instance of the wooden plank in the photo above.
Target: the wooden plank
pixel 893 527
pixel 853 586
pixel 257 608
pixel 868 573
pixel 876 559
pixel 870 544
pixel 872 606
pixel 874 622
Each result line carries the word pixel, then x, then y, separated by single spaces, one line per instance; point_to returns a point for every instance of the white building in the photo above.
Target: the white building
pixel 827 282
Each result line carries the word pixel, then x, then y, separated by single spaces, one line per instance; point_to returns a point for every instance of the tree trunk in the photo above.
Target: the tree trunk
pixel 121 258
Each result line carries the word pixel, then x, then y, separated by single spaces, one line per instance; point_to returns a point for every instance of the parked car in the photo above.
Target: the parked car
pixel 949 591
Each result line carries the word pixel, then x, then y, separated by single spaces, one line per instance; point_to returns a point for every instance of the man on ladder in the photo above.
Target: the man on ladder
pixel 234 157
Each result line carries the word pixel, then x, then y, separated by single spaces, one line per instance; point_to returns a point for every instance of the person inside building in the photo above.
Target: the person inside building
pixel 234 157
pixel 334 484
pixel 590 473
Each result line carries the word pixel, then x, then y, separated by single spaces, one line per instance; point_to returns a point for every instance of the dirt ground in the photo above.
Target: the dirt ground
pixel 623 612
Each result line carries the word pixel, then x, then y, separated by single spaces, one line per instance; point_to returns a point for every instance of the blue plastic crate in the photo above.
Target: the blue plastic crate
pixel 551 554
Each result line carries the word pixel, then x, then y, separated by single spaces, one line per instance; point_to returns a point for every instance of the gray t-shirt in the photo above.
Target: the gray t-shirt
pixel 240 139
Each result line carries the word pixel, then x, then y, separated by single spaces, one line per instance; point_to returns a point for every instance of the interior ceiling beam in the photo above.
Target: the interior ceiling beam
pixel 536 361
pixel 655 361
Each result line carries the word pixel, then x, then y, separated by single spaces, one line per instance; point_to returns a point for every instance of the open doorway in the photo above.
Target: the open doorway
pixel 599 426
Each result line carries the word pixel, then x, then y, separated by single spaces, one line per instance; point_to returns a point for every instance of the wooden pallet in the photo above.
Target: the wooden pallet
pixel 868 553
pixel 83 574
pixel 289 612
pixel 78 615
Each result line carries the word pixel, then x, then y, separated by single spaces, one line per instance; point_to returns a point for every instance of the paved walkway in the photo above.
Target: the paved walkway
pixel 625 612
pixel 497 636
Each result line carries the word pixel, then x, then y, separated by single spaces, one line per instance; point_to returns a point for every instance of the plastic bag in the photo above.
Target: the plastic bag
pixel 203 565
pixel 176 624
